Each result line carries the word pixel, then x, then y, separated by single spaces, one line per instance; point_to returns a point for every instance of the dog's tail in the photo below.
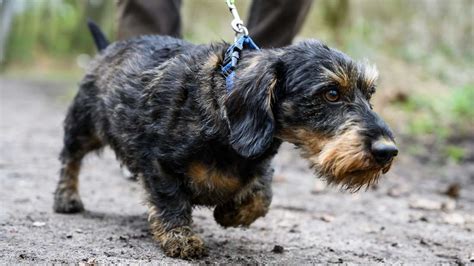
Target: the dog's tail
pixel 99 38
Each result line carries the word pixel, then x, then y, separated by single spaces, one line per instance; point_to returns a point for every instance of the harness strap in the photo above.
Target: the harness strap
pixel 232 56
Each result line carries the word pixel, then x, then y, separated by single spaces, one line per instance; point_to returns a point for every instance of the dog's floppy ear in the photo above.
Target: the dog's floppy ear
pixel 249 109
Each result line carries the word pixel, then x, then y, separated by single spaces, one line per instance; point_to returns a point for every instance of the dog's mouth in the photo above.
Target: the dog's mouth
pixel 343 160
pixel 353 179
pixel 374 167
pixel 349 172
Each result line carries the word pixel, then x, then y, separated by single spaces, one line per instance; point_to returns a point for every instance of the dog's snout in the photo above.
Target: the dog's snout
pixel 383 151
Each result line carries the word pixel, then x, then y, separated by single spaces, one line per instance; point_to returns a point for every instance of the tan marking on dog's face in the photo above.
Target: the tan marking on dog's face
pixel 310 142
pixel 342 159
pixel 209 179
pixel 345 160
pixel 370 75
pixel 338 75
pixel 345 77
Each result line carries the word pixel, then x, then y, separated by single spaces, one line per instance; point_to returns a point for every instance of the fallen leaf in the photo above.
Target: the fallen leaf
pixel 453 191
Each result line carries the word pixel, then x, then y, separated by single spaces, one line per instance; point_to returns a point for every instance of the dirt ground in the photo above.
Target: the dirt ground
pixel 405 219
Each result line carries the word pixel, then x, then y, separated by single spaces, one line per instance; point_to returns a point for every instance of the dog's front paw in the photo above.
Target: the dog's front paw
pixel 67 201
pixel 182 242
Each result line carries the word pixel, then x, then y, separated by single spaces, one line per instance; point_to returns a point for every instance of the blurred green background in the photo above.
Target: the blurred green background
pixel 423 49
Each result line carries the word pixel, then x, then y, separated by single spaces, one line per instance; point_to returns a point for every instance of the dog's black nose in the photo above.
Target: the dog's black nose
pixel 383 151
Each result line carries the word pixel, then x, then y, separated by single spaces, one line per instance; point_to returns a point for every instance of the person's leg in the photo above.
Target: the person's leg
pixel 275 23
pixel 141 17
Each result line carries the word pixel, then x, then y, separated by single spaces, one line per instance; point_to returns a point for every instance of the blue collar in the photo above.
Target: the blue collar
pixel 232 56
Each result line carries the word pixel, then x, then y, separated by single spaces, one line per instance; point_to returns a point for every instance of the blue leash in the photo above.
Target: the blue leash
pixel 232 56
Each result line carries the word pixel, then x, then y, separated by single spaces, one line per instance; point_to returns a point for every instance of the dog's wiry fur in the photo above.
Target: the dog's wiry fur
pixel 161 104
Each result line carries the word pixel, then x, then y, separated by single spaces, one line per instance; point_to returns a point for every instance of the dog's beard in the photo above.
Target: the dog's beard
pixel 344 161
pixel 341 159
pixel 351 180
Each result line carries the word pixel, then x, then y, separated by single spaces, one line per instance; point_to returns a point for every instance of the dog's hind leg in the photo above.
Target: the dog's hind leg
pixel 247 207
pixel 79 139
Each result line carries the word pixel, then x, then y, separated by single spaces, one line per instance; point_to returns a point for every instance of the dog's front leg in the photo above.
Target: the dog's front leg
pixel 169 215
pixel 246 207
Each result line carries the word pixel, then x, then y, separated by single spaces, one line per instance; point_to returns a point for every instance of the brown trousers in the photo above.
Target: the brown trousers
pixel 271 23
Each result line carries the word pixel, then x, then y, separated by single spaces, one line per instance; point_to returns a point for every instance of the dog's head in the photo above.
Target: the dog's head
pixel 318 99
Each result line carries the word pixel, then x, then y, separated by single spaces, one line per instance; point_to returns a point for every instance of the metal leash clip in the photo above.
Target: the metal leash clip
pixel 237 23
pixel 242 41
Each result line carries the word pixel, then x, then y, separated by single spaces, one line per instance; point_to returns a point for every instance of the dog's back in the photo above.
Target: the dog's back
pixel 130 58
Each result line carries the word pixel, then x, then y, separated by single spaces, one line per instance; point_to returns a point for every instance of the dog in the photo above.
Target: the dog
pixel 162 105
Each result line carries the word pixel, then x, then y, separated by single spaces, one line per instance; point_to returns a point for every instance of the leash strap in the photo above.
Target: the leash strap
pixel 232 56
pixel 242 41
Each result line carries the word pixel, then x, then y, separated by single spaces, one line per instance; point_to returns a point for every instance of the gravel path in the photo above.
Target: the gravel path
pixel 406 218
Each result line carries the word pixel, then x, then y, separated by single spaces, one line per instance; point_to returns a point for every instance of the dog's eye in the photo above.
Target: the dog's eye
pixel 332 95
